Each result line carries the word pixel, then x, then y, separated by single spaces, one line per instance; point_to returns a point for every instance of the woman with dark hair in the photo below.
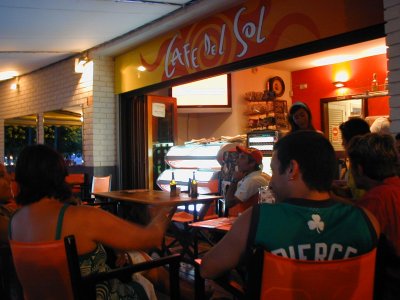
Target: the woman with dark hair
pixel 44 195
pixel 300 117
pixel 345 188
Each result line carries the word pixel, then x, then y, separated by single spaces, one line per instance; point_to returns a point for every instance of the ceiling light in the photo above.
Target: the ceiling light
pixel 15 85
pixel 141 68
pixel 80 63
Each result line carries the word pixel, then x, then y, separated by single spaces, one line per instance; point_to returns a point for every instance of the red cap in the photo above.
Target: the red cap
pixel 254 153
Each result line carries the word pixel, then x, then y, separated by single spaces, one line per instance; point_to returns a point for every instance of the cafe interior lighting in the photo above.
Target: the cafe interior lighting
pixel 15 85
pixel 338 84
pixel 80 63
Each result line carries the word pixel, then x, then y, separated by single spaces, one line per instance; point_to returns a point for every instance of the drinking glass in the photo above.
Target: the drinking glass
pixel 265 195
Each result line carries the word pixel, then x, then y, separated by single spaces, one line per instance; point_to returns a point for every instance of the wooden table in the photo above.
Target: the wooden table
pixel 156 198
pixel 159 198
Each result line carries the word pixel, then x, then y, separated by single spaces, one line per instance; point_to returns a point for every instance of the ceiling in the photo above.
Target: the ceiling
pixel 34 34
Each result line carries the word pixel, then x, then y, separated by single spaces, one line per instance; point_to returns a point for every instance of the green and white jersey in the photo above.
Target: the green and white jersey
pixel 313 230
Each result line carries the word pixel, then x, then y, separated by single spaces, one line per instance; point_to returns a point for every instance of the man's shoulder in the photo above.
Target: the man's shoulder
pixel 390 185
pixel 257 175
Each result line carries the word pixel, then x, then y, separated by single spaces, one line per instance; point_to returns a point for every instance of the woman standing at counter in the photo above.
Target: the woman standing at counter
pixel 300 117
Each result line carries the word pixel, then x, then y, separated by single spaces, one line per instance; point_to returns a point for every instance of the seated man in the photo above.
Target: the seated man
pixel 304 223
pixel 373 159
pixel 243 190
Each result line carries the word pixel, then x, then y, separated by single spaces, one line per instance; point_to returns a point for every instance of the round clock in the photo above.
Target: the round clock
pixel 277 86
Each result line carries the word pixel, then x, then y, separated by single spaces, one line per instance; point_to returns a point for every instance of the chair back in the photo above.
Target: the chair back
pixel 77 183
pixel 101 184
pixel 242 206
pixel 43 270
pixel 284 278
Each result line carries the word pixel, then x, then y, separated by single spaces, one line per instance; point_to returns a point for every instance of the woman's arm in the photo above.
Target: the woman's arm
pixel 99 226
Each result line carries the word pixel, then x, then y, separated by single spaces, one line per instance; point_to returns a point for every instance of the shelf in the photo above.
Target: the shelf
pixel 367 95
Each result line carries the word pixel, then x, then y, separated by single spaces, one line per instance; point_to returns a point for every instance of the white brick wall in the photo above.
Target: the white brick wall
pixel 392 29
pixel 58 86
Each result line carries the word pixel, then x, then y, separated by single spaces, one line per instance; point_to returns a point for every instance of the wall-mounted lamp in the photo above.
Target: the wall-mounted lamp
pixel 338 84
pixel 80 63
pixel 15 85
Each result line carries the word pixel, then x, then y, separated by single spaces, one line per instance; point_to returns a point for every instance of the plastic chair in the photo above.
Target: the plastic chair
pixel 50 270
pixel 101 184
pixel 77 182
pixel 274 277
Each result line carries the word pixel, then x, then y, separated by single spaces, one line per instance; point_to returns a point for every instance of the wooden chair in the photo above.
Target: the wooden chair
pixel 274 277
pixel 181 233
pixel 50 270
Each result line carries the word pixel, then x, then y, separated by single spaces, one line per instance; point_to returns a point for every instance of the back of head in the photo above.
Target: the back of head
pixel 381 125
pixel 376 153
pixel 40 172
pixel 293 109
pixel 314 154
pixel 353 127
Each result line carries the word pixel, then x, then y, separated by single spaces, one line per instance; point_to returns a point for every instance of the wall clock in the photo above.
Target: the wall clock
pixel 276 85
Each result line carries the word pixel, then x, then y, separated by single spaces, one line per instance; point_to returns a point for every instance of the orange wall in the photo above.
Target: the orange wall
pixel 319 84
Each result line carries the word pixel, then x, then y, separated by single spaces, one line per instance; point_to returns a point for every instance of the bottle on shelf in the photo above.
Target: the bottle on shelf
pixel 386 84
pixel 374 83
pixel 172 185
pixel 193 187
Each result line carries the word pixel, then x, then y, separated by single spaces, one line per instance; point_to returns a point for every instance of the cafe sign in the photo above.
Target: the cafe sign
pixel 253 28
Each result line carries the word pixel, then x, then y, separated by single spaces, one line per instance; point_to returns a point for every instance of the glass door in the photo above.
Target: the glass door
pixel 162 133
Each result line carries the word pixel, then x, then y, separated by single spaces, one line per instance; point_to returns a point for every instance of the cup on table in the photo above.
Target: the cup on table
pixel 265 195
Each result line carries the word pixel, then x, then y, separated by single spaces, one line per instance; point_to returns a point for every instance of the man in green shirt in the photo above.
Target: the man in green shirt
pixel 304 223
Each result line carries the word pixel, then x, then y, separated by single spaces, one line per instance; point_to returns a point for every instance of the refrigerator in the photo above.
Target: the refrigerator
pixel 264 141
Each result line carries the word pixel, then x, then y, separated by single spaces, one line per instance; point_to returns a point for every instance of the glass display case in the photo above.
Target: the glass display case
pixel 203 159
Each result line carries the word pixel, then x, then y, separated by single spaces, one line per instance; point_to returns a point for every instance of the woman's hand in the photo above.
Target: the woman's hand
pixel 160 221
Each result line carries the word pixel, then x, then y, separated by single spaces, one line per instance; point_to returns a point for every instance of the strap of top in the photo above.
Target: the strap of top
pixel 60 221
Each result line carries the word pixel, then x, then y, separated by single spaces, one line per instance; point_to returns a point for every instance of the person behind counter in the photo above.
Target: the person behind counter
pixel 374 164
pixel 300 117
pixel 243 190
pixel 303 167
pixel 44 195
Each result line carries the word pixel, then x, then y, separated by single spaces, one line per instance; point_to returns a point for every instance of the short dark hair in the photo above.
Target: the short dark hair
pixel 314 154
pixel 353 127
pixel 40 172
pixel 293 109
pixel 376 153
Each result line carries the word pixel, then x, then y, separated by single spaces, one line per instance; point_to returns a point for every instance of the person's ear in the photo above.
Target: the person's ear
pixel 293 170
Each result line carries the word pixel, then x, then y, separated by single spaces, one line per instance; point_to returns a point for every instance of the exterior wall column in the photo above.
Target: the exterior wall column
pixel 392 29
